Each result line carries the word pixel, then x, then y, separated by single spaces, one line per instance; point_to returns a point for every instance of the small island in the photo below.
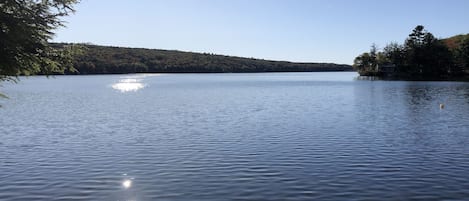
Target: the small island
pixel 421 57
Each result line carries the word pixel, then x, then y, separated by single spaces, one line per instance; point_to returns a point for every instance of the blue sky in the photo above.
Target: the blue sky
pixel 293 30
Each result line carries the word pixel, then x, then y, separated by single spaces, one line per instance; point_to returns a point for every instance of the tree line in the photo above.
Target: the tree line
pixel 96 59
pixel 422 56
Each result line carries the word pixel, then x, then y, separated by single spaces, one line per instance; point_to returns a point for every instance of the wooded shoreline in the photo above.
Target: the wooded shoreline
pixel 422 56
pixel 95 59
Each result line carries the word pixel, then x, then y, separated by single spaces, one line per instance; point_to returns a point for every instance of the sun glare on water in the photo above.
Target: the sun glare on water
pixel 128 86
pixel 127 183
pixel 131 83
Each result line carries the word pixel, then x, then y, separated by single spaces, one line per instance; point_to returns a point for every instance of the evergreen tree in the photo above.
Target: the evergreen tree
pixel 421 56
pixel 26 26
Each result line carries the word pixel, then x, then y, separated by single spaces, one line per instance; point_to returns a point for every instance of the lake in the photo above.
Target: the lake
pixel 266 136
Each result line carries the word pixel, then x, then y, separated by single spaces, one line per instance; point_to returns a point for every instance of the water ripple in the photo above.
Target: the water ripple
pixel 234 137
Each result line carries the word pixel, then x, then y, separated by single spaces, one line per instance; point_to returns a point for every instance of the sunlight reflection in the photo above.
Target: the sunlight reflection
pixel 127 183
pixel 128 86
pixel 131 83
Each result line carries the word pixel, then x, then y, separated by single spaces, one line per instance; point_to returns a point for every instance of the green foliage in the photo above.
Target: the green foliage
pixel 422 56
pixel 369 63
pixel 454 42
pixel 462 55
pixel 394 53
pixel 425 55
pixel 25 28
pixel 364 63
pixel 101 60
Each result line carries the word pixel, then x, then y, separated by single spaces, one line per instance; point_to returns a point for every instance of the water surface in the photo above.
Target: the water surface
pixel 268 136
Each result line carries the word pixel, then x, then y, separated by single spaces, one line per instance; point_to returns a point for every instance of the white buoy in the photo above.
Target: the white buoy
pixel 442 106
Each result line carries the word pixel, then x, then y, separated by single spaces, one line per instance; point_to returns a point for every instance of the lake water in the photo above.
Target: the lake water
pixel 268 136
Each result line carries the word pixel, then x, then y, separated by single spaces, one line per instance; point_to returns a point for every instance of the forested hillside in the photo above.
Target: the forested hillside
pixel 103 59
pixel 456 42
pixel 422 56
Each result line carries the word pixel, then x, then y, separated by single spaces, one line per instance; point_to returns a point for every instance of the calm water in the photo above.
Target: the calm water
pixel 272 136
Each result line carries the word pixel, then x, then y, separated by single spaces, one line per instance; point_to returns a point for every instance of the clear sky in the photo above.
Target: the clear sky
pixel 293 30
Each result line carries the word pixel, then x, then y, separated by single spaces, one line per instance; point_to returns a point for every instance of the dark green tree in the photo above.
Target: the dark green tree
pixel 26 26
pixel 462 56
pixel 366 63
pixel 422 56
pixel 425 55
pixel 413 48
pixel 394 53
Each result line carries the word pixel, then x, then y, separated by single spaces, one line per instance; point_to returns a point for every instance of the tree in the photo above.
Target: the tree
pixel 462 55
pixel 367 62
pixel 394 53
pixel 26 26
pixel 422 56
pixel 413 48
pixel 363 63
pixel 425 55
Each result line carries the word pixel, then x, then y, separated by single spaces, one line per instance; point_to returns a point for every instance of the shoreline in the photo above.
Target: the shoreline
pixel 193 72
pixel 414 79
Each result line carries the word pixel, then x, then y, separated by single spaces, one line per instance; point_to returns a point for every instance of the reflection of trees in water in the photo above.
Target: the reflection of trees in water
pixel 370 78
pixel 418 95
pixel 417 101
pixel 422 98
pixel 425 125
pixel 407 114
pixel 466 94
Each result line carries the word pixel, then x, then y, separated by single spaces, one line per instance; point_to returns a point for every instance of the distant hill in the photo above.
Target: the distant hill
pixel 455 41
pixel 109 60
